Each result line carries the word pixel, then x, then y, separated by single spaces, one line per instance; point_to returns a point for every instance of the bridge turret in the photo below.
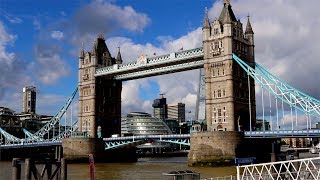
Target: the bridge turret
pixel 101 51
pixel 81 57
pixel 119 58
pixel 206 29
pixel 249 35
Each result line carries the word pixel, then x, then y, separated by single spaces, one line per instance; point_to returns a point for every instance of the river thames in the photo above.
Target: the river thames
pixel 145 168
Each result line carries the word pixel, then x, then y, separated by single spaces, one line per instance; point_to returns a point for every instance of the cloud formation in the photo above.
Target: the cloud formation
pixel 178 87
pixel 13 74
pixel 49 66
pixel 58 35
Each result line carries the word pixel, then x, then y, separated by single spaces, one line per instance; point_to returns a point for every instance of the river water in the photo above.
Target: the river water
pixel 145 168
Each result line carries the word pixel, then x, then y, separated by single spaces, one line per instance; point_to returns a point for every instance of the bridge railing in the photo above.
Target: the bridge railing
pixel 293 169
pixel 281 133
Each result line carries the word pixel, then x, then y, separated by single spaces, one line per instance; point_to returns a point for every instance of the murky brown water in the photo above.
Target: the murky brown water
pixel 145 168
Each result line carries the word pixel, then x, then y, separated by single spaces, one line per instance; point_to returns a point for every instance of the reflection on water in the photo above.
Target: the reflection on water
pixel 145 168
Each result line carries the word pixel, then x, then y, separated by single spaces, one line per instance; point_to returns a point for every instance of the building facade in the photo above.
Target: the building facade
pixel 230 94
pixel 177 111
pixel 140 123
pixel 160 108
pixel 29 99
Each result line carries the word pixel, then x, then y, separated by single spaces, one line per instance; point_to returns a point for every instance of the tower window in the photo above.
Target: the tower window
pixel 216 45
pixel 219 93
pixel 216 31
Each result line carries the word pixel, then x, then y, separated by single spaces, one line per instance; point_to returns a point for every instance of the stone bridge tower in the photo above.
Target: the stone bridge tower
pixel 99 97
pixel 228 105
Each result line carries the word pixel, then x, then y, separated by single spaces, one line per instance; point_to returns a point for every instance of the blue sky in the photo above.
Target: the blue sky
pixel 40 42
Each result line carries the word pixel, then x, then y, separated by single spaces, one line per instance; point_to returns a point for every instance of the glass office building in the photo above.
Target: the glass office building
pixel 140 123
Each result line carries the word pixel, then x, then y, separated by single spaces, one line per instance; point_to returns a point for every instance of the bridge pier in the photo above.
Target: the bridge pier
pixel 219 148
pixel 78 149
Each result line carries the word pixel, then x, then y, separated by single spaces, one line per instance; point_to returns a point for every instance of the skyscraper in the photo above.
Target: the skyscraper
pixel 177 111
pixel 29 99
pixel 160 108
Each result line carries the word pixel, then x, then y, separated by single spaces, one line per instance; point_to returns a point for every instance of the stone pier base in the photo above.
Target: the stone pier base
pixel 213 148
pixel 220 148
pixel 78 149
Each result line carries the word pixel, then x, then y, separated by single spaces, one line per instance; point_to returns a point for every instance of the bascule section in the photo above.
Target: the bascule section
pixel 99 97
pixel 230 95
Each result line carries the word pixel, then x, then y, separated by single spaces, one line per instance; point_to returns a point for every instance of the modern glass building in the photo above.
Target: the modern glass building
pixel 140 123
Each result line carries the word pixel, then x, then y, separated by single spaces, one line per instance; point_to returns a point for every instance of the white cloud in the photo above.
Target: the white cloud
pixel 13 72
pixel 58 35
pixel 12 19
pixel 178 87
pixel 49 67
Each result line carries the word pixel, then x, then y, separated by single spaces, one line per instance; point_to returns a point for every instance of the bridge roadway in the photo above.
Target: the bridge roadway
pixel 183 139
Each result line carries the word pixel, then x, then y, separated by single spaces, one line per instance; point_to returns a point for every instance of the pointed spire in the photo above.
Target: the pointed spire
pixel 119 58
pixel 227 15
pixel 249 28
pixel 81 55
pixel 206 23
pixel 227 18
pixel 227 2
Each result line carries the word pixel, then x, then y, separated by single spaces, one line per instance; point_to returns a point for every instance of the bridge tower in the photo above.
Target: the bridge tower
pixel 99 104
pixel 228 105
pixel 230 93
pixel 99 97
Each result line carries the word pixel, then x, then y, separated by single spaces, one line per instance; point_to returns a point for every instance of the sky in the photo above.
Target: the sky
pixel 40 42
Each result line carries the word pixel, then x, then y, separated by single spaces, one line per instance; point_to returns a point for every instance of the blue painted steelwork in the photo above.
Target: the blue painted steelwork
pixel 39 135
pixel 183 139
pixel 283 134
pixel 116 144
pixel 281 89
pixel 32 144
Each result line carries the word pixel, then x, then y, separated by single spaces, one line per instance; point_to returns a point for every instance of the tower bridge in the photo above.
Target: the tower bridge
pixel 227 57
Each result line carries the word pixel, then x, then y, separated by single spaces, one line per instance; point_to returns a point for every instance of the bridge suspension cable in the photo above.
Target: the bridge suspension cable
pixel 283 92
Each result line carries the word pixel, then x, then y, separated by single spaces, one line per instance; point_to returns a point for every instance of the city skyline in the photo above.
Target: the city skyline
pixel 39 47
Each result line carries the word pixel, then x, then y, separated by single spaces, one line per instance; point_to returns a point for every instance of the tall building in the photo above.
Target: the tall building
pixel 29 99
pixel 177 111
pixel 160 108
pixel 230 96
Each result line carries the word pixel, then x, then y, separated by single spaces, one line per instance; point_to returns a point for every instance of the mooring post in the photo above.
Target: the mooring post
pixel 16 169
pixel 27 169
pixel 273 154
pixel 91 167
pixel 63 169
